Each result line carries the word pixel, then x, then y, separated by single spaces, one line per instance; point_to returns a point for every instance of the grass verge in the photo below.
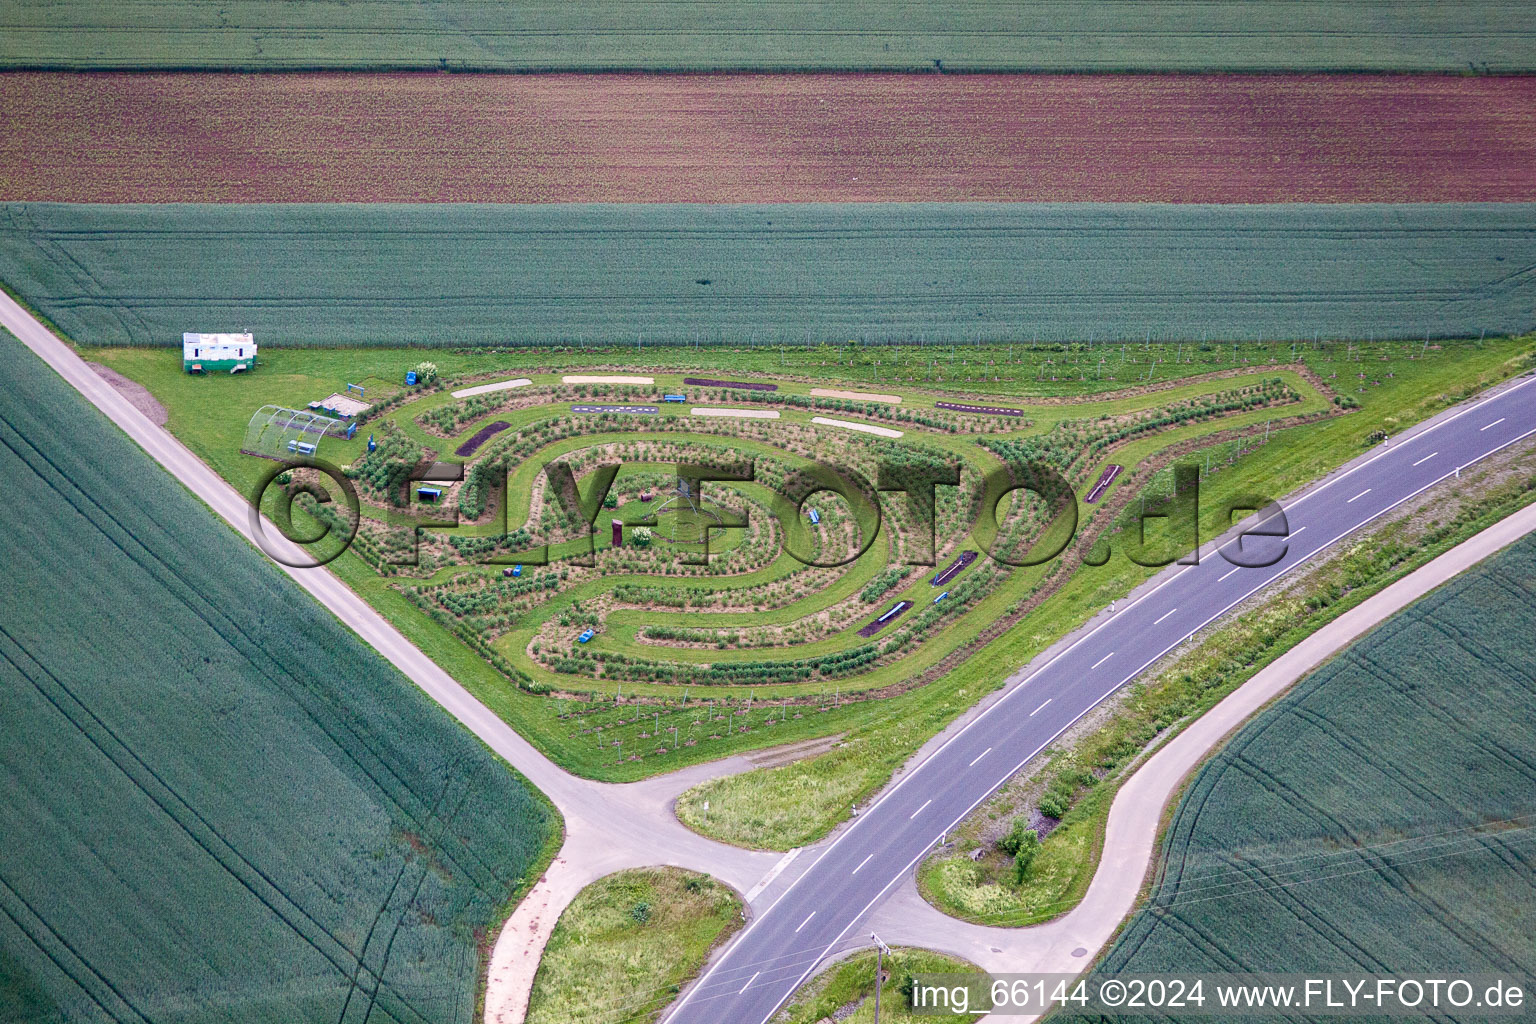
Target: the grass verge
pixel 628 943
pixel 845 991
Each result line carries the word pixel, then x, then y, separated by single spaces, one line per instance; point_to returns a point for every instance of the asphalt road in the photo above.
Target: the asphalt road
pixel 784 944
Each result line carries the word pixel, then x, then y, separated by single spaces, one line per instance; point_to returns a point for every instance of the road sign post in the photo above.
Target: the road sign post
pixel 880 950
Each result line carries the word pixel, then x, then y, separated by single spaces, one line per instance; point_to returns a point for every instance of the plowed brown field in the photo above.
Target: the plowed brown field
pixel 765 138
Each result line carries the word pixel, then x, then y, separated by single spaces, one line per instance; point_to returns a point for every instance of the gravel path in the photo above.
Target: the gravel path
pixel 137 394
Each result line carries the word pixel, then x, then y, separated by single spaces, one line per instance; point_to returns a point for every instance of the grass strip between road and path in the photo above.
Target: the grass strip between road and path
pixel 627 944
pixel 845 991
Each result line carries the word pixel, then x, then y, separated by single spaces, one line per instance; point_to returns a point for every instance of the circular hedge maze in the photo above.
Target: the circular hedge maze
pixel 780 552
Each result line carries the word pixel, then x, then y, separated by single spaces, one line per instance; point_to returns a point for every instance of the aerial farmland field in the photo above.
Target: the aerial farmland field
pixel 768 138
pixel 779 35
pixel 773 275
pixel 1377 818
pixel 220 806
pixel 796 496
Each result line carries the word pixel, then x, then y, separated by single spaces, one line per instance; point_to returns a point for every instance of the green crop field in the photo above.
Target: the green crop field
pixel 1476 35
pixel 219 805
pixel 792 276
pixel 1379 818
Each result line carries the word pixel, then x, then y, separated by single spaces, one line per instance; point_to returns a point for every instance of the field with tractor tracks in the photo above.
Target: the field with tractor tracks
pixel 774 276
pixel 776 35
pixel 219 805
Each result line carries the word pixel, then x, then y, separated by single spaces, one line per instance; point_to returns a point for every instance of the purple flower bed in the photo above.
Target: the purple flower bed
pixel 482 435
pixel 705 382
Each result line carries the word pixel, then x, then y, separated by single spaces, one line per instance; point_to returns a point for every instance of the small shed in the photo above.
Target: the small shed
pixel 221 353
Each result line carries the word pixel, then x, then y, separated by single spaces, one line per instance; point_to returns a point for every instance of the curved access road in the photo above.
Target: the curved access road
pixel 784 944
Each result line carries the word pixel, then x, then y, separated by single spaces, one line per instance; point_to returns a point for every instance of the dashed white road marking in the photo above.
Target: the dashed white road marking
pixel 1358 496
pixel 1167 613
pixel 805 922
pixel 979 756
pixel 1230 572
pixel 861 864
pixel 749 983
pixel 1426 458
pixel 1039 709
pixel 1102 660
pixel 1495 423
pixel 920 809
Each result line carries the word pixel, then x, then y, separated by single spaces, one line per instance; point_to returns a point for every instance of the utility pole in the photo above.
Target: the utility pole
pixel 880 950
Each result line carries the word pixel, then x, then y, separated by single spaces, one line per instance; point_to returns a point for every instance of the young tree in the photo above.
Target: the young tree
pixel 1029 848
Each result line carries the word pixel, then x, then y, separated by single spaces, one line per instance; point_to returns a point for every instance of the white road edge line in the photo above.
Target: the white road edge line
pixel 979 756
pixel 1101 661
pixel 1167 613
pixel 749 983
pixel 1426 458
pixel 1357 497
pixel 1230 572
pixel 920 809
pixel 806 921
pixel 1495 423
pixel 1039 709
pixel 861 864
